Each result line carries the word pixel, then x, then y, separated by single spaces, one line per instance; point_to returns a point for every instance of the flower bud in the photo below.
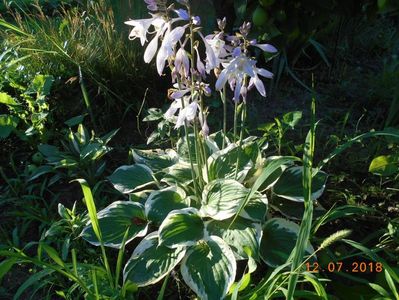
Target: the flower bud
pixel 221 23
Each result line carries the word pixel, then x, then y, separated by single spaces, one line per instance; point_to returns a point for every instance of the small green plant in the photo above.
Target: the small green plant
pixel 29 113
pixel 81 155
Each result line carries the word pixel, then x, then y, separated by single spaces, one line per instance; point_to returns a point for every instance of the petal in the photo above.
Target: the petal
pixel 221 80
pixel 267 48
pixel 247 67
pixel 151 49
pixel 183 14
pixel 172 110
pixel 264 73
pixel 181 118
pixel 179 94
pixel 191 111
pixel 211 61
pixel 176 35
pixel 260 86
pixel 161 57
pixel 236 52
pixel 237 91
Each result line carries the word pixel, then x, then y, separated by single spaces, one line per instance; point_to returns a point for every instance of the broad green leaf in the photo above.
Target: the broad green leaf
pixel 93 151
pixel 217 138
pixel 221 198
pixel 385 165
pixel 183 149
pixel 41 85
pixel 156 159
pixel 160 203
pixel 292 118
pixel 7 99
pixel 243 233
pixel 182 227
pixel 74 121
pixel 115 220
pixel 256 208
pixel 52 153
pixel 151 262
pixel 289 185
pixel 278 240
pixel 270 168
pixel 127 179
pixel 209 268
pixel 294 210
pixel 178 173
pixel 7 124
pixel 222 164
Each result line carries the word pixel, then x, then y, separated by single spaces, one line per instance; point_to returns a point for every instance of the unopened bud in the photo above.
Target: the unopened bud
pixel 221 23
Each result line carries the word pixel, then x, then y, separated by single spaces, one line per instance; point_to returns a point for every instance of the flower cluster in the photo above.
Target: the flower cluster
pixel 176 41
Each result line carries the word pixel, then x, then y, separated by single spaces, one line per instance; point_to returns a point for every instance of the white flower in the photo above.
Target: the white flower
pixel 236 70
pixel 141 27
pixel 182 62
pixel 166 51
pixel 187 114
pixel 211 59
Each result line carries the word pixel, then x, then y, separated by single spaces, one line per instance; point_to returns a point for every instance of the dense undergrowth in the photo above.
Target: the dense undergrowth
pixel 105 193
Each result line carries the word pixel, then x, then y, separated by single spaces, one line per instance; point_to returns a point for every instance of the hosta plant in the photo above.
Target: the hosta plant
pixel 205 201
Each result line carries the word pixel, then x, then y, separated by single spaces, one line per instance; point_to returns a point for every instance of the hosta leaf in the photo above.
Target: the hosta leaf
pixel 182 227
pixel 183 149
pixel 222 164
pixel 209 268
pixel 160 203
pixel 289 185
pixel 156 159
pixel 115 220
pixel 127 179
pixel 278 240
pixel 221 198
pixel 178 173
pixel 151 262
pixel 294 210
pixel 242 233
pixel 272 179
pixel 256 208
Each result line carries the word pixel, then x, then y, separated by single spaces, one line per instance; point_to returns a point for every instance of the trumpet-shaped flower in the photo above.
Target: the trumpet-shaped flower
pixel 237 70
pixel 166 50
pixel 142 26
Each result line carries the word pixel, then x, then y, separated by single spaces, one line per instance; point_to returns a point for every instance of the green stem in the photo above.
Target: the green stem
pixel 198 154
pixel 235 120
pixel 203 142
pixel 223 97
pixel 86 99
pixel 243 117
pixel 120 257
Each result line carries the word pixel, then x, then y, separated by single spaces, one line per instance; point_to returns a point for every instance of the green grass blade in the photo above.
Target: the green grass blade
pixel 14 28
pixel 92 211
pixel 91 208
pixel 306 224
pixel 389 132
